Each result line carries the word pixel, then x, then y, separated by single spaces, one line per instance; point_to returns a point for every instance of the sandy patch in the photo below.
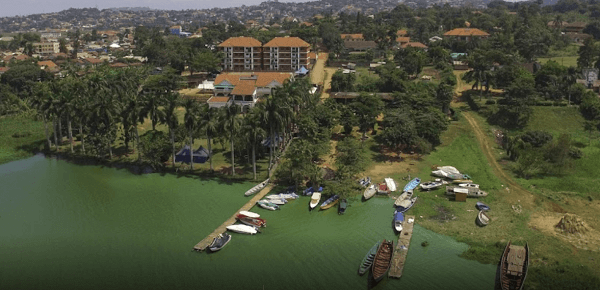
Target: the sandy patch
pixel 546 223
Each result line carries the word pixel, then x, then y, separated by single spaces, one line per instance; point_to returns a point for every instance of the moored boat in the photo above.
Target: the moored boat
pixel 277 201
pixel 406 204
pixel 390 183
pixel 219 242
pixel 433 184
pixel 266 204
pixel 257 222
pixel 256 188
pixel 370 191
pixel 314 200
pixel 243 229
pixel 481 206
pixel 398 219
pixel 342 206
pixel 405 195
pixel 383 258
pixel 469 185
pixel 482 218
pixel 470 192
pixel 368 260
pixel 412 184
pixel 513 267
pixel 462 181
pixel 249 214
pixel 330 201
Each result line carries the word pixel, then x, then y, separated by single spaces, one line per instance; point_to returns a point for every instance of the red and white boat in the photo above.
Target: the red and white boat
pixel 251 221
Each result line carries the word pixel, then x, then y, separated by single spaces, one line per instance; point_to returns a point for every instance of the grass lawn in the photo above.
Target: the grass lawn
pixel 562 60
pixel 13 146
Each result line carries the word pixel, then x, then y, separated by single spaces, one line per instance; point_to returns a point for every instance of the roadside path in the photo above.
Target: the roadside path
pixel 514 193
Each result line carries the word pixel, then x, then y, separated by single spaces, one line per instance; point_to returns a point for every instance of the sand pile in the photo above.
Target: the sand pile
pixel 571 224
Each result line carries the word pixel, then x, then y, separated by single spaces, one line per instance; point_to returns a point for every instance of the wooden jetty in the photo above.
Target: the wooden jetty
pixel 401 249
pixel 222 228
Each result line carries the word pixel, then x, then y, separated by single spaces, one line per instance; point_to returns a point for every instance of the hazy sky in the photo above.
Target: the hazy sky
pixel 25 7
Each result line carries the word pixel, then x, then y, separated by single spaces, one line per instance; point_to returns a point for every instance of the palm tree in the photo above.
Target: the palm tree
pixel 480 72
pixel 67 102
pixel 40 102
pixel 275 116
pixel 190 120
pixel 170 112
pixel 569 79
pixel 209 121
pixel 232 124
pixel 254 134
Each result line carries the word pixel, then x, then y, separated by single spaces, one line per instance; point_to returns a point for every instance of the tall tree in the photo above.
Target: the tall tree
pixel 190 120
pixel 232 124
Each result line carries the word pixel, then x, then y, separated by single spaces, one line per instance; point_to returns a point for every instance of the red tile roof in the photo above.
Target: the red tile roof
pixel 287 42
pixel 466 32
pixel 218 100
pixel 402 39
pixel 261 79
pixel 414 44
pixel 245 88
pixel 47 63
pixel 352 36
pixel 401 32
pixel 265 78
pixel 3 69
pixel 241 41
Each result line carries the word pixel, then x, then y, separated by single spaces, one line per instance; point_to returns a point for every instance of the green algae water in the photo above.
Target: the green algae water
pixel 66 226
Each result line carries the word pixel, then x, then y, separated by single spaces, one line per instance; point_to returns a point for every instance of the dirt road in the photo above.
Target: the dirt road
pixel 514 193
pixel 322 75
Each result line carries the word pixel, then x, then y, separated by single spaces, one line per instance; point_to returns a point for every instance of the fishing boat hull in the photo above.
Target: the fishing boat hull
pixel 513 267
pixel 330 202
pixel 406 204
pixel 219 242
pixel 482 219
pixel 267 205
pixel 256 188
pixel 412 184
pixel 404 196
pixel 383 258
pixel 257 222
pixel 481 206
pixel 369 192
pixel 249 214
pixel 469 185
pixel 368 260
pixel 470 192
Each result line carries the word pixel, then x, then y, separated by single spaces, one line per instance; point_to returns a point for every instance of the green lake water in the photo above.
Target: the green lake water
pixel 66 226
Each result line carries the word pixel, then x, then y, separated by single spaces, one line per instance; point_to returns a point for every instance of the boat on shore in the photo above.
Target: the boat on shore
pixel 219 242
pixel 369 191
pixel 243 229
pixel 457 181
pixel 368 259
pixel 433 184
pixel 513 267
pixel 481 206
pixel 342 206
pixel 365 181
pixel 470 192
pixel 266 204
pixel 406 204
pixel 249 214
pixel 469 185
pixel 482 218
pixel 256 188
pixel 383 258
pixel 391 184
pixel 277 201
pixel 398 219
pixel 330 202
pixel 412 184
pixel 314 200
pixel 257 222
pixel 404 196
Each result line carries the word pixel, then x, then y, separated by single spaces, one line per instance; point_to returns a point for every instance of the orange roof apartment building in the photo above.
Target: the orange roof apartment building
pixel 279 54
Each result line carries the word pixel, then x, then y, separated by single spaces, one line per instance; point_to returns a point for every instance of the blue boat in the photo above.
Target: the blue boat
pixel 482 206
pixel 412 184
pixel 398 219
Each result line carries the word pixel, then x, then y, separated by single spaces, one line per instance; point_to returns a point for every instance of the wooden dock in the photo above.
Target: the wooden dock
pixel 222 228
pixel 401 249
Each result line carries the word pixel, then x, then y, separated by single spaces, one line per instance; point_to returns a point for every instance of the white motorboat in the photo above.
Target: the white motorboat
pixel 282 196
pixel 433 184
pixel 469 185
pixel 315 199
pixel 267 204
pixel 250 214
pixel 256 188
pixel 406 204
pixel 243 229
pixel 277 201
pixel 370 191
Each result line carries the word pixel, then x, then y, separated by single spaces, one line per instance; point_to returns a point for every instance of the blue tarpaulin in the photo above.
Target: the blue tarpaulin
pixel 200 156
pixel 267 142
pixel 302 71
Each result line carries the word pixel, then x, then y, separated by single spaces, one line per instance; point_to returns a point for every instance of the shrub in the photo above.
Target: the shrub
pixel 490 102
pixel 536 138
pixel 575 153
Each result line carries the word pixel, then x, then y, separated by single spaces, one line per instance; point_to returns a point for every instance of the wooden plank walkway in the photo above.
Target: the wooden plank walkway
pixel 222 228
pixel 401 249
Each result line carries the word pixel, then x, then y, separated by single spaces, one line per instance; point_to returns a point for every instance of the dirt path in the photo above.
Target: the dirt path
pixel 318 71
pixel 515 194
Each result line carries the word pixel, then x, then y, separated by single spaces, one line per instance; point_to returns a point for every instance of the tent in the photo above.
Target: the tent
pixel 302 71
pixel 200 156
pixel 267 142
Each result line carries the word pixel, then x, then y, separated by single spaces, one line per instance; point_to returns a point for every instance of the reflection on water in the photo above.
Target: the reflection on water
pixel 64 226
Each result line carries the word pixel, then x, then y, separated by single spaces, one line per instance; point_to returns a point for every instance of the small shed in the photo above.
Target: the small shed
pixel 461 194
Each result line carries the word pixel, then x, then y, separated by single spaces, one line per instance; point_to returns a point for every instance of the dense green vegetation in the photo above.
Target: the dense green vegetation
pixel 19 136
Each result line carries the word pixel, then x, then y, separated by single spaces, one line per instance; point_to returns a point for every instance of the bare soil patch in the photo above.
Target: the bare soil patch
pixel 546 222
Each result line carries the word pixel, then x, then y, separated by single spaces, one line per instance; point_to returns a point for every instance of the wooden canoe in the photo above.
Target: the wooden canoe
pixel 381 263
pixel 368 260
pixel 513 267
